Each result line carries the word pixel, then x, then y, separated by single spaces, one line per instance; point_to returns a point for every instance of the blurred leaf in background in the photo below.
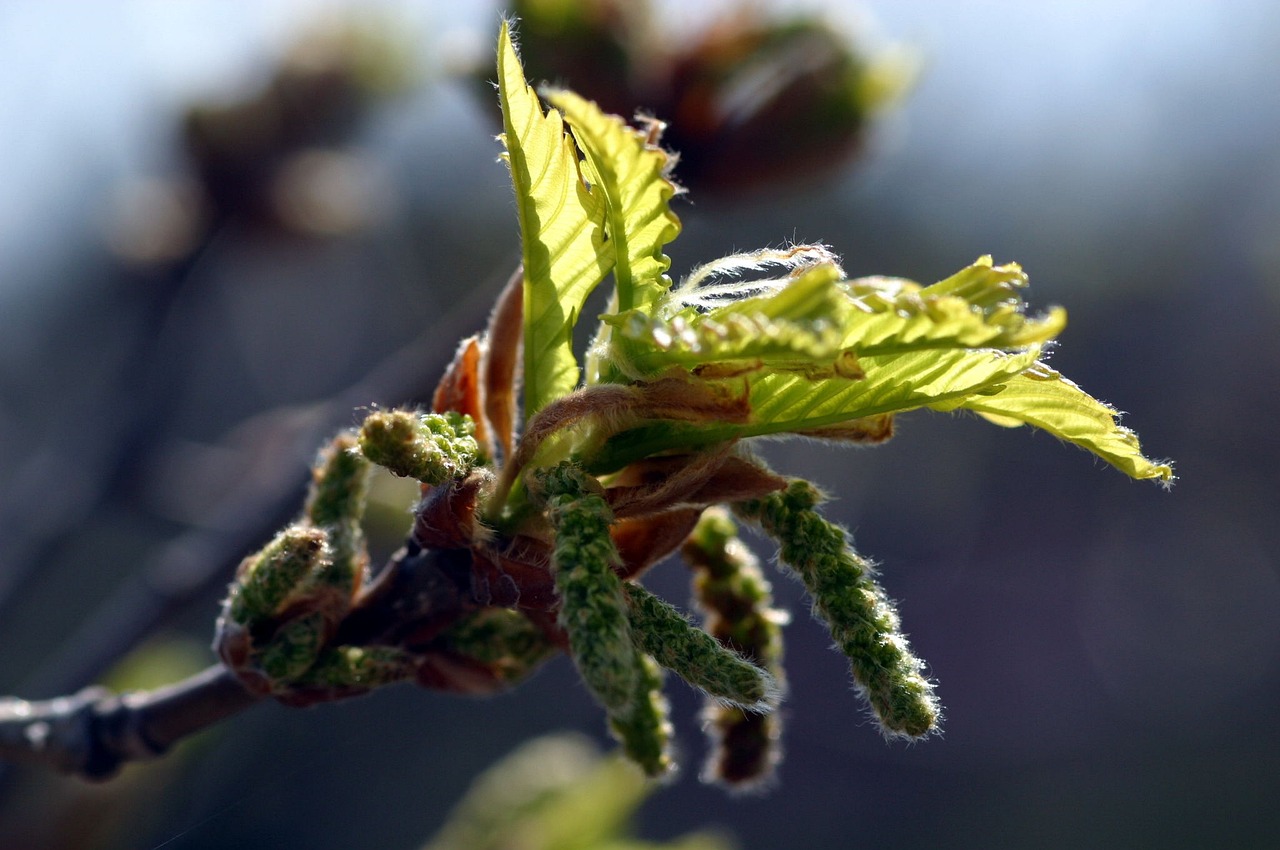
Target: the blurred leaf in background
pixel 557 793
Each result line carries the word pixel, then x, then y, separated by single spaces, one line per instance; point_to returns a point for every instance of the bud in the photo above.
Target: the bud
pixel 504 641
pixel 431 447
pixel 339 488
pixel 358 668
pixel 265 580
pixel 293 649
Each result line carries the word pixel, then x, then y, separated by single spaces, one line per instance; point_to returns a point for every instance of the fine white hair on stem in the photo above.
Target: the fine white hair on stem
pixel 723 279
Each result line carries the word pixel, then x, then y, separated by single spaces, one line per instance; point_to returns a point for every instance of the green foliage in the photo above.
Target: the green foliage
pixel 631 172
pixel 1041 397
pixel 816 350
pixel 561 228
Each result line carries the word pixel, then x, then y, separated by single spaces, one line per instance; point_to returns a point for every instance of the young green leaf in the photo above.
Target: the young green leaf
pixel 1043 398
pixel 797 327
pixel 975 308
pixel 631 172
pixel 789 403
pixel 561 228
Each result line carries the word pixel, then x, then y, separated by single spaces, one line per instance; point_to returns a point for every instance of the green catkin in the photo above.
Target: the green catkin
pixel 339 483
pixel 431 447
pixel 267 579
pixel 339 489
pixel 695 656
pixel 645 730
pixel 729 587
pixel 593 613
pixel 845 594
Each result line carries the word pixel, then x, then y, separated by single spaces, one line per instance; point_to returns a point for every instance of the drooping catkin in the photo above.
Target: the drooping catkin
pixel 846 596
pixel 593 613
pixel 645 729
pixel 737 601
pixel 695 656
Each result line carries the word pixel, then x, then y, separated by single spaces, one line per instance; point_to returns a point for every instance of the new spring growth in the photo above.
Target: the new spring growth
pixel 274 620
pixel 431 447
pixel 737 600
pixel 265 580
pixel 336 502
pixel 288 600
pixel 593 613
pixel 645 729
pixel 862 620
pixel 695 656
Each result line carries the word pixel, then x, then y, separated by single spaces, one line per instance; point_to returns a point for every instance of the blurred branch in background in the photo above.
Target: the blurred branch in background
pixel 269 167
pixel 756 101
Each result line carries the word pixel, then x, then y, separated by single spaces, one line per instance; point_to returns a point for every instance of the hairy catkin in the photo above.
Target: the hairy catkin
pixel 593 614
pixel 737 602
pixel 846 596
pixel 695 656
pixel 336 502
pixel 645 730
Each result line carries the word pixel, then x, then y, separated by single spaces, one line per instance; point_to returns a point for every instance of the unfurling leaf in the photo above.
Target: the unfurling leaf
pixel 630 170
pixel 561 230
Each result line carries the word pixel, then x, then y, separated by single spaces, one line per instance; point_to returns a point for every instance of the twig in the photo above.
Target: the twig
pixel 92 733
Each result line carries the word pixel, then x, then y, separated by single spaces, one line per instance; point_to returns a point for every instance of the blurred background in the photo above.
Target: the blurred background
pixel 226 228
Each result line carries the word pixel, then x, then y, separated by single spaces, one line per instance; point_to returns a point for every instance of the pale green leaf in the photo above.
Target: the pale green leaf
pixel 561 227
pixel 631 172
pixel 786 403
pixel 979 307
pixel 1043 398
pixel 893 384
pixel 794 328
